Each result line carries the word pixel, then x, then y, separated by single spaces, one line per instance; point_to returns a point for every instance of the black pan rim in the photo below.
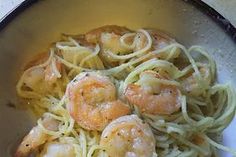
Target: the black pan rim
pixel 225 24
pixel 14 12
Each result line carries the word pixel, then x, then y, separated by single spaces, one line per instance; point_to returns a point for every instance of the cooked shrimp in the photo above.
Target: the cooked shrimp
pixel 190 84
pixel 128 136
pixel 58 150
pixel 159 99
pixel 36 137
pixel 161 40
pixel 111 42
pixel 92 101
pixel 39 74
pixel 109 39
pixel 94 36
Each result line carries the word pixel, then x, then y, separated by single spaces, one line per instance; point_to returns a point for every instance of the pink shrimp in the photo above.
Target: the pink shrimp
pixel 161 99
pixel 128 136
pixel 36 137
pixel 92 101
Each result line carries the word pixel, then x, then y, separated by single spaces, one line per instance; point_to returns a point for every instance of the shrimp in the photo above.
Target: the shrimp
pixel 36 137
pixel 109 39
pixel 57 149
pixel 92 101
pixel 39 75
pixel 111 42
pixel 161 40
pixel 190 84
pixel 128 136
pixel 154 99
pixel 94 36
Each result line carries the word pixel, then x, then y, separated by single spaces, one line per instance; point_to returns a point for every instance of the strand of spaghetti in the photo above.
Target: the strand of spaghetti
pixel 163 117
pixel 184 112
pixel 215 151
pixel 28 94
pixel 171 129
pixel 54 116
pixel 186 142
pixel 187 153
pixel 193 100
pixel 205 54
pixel 58 108
pixel 70 47
pixel 199 125
pixel 79 55
pixel 219 146
pixel 144 57
pixel 49 132
pixel 196 109
pixel 156 125
pixel 193 63
pixel 92 140
pixel 229 113
pixel 175 152
pixel 93 54
pixel 162 138
pixel 93 149
pixel 83 141
pixel 102 154
pixel 201 82
pixel 171 53
pixel 74 132
pixel 154 81
pixel 77 150
pixel 70 127
pixel 188 69
pixel 124 37
pixel 151 64
pixel 70 65
pixel 126 65
pixel 222 99
pixel 74 42
pixel 162 145
pixel 137 53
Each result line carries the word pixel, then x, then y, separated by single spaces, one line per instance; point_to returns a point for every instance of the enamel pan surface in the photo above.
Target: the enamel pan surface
pixel 34 25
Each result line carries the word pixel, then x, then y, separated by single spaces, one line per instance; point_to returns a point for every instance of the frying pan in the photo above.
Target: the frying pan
pixel 34 28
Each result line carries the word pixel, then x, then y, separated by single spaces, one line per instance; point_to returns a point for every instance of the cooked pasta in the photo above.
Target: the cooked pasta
pixel 118 92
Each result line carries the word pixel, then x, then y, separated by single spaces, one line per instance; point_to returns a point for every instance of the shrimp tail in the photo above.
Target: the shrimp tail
pixel 30 142
pixel 36 137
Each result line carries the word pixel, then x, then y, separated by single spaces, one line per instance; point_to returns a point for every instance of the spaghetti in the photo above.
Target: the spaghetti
pixel 148 60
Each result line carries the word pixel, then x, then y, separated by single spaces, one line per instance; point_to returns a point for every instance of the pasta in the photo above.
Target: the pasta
pixel 144 61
